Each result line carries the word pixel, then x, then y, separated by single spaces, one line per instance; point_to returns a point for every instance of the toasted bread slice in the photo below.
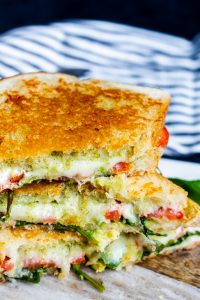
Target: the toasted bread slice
pixel 192 213
pixel 147 191
pixel 23 251
pixel 54 125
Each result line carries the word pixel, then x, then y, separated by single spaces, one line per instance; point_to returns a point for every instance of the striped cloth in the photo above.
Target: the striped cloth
pixel 104 50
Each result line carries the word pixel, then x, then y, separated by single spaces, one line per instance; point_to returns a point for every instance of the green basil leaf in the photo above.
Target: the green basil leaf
pixel 74 228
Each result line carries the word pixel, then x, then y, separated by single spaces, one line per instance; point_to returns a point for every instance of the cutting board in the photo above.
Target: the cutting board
pixel 183 265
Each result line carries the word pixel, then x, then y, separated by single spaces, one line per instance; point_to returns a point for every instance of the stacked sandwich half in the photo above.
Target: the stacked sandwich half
pixel 78 179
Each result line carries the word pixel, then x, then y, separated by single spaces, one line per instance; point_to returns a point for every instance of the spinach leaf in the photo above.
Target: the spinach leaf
pixel 146 252
pixel 191 186
pixel 127 221
pixel 33 276
pixel 150 232
pixel 97 284
pixel 171 243
pixel 146 230
pixel 74 228
pixel 2 217
pixel 62 228
pixel 21 223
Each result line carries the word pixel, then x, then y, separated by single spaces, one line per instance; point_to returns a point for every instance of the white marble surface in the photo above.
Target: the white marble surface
pixel 137 284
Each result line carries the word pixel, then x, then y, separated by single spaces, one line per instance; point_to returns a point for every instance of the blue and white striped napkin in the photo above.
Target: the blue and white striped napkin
pixel 104 50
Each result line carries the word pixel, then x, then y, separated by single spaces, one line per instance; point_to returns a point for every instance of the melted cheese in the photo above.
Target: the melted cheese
pixel 22 250
pixel 67 209
pixel 122 252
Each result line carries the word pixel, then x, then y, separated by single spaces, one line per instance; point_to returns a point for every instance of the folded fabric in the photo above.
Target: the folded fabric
pixel 105 50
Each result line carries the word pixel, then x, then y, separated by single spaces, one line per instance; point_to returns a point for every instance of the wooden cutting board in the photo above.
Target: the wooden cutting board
pixel 184 266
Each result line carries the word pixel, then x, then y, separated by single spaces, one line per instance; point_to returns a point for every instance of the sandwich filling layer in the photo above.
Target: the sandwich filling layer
pixel 98 214
pixel 28 254
pixel 130 249
pixel 79 166
pixel 66 202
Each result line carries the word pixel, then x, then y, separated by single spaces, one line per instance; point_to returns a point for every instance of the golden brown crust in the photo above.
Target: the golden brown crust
pixel 143 188
pixel 192 213
pixel 41 113
pixel 35 232
pixel 155 185
pixel 42 189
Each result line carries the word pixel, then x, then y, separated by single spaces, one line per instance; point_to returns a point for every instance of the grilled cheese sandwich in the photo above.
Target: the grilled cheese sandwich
pixel 78 179
pixel 54 126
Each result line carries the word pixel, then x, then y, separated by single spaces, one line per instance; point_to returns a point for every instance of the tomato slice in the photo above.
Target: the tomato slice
pixel 78 260
pixel 164 138
pixel 168 213
pixel 121 167
pixel 7 264
pixel 113 215
pixel 16 178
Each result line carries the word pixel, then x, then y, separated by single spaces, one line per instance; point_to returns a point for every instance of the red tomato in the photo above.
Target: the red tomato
pixel 168 213
pixel 121 167
pixel 164 138
pixel 7 265
pixel 78 260
pixel 16 178
pixel 113 215
pixel 179 215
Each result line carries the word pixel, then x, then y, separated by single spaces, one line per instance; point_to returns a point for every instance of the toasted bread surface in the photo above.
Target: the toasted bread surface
pixel 154 185
pixel 42 189
pixel 192 212
pixel 42 112
pixel 143 187
pixel 37 233
pixel 140 186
